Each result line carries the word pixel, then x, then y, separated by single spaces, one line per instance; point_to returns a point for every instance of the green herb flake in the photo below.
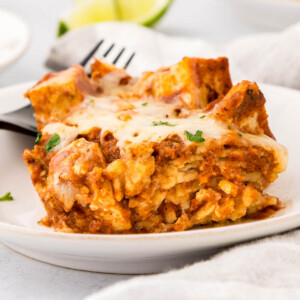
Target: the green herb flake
pixel 7 197
pixel 38 138
pixel 92 100
pixel 160 123
pixel 197 137
pixel 62 28
pixel 54 141
pixel 239 134
pixel 202 117
pixel 145 103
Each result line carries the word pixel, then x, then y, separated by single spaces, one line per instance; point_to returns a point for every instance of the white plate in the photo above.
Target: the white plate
pixel 268 14
pixel 14 38
pixel 144 253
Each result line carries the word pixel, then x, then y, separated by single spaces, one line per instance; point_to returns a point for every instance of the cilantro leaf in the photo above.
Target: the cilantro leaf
pixel 145 103
pixel 239 134
pixel 38 138
pixel 197 137
pixel 54 141
pixel 62 28
pixel 159 123
pixel 7 197
pixel 202 117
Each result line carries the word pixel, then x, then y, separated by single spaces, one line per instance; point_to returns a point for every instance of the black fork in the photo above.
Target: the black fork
pixel 22 120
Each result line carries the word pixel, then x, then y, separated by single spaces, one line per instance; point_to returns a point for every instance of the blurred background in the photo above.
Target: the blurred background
pixel 215 21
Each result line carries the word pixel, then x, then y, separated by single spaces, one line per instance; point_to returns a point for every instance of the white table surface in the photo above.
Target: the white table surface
pixel 25 278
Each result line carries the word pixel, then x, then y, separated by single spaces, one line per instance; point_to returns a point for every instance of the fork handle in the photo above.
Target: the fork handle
pixel 21 128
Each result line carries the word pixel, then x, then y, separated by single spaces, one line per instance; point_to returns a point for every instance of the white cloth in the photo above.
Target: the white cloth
pixel 267 269
pixel 270 57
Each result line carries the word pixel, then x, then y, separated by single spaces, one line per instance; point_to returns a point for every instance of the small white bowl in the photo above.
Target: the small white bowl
pixel 14 38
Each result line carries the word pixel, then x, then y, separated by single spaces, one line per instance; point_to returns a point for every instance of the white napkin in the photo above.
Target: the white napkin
pixel 270 57
pixel 267 269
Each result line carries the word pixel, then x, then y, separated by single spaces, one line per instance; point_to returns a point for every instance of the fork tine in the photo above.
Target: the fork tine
pixel 108 50
pixel 129 61
pixel 106 53
pixel 118 56
pixel 22 121
pixel 93 51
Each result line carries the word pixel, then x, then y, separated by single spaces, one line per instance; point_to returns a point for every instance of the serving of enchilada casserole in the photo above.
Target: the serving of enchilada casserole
pixel 177 148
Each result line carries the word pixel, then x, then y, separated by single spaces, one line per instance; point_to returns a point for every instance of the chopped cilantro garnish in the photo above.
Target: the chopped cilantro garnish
pixel 62 28
pixel 145 103
pixel 38 138
pixel 159 123
pixel 239 134
pixel 54 141
pixel 202 117
pixel 7 197
pixel 92 100
pixel 197 137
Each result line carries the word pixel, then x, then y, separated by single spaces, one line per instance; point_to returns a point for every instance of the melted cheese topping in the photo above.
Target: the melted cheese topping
pixel 132 122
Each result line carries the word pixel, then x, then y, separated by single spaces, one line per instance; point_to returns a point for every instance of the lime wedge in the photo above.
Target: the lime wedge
pixel 144 12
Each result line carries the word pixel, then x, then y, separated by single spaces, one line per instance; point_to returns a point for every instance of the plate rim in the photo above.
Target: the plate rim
pixel 205 232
